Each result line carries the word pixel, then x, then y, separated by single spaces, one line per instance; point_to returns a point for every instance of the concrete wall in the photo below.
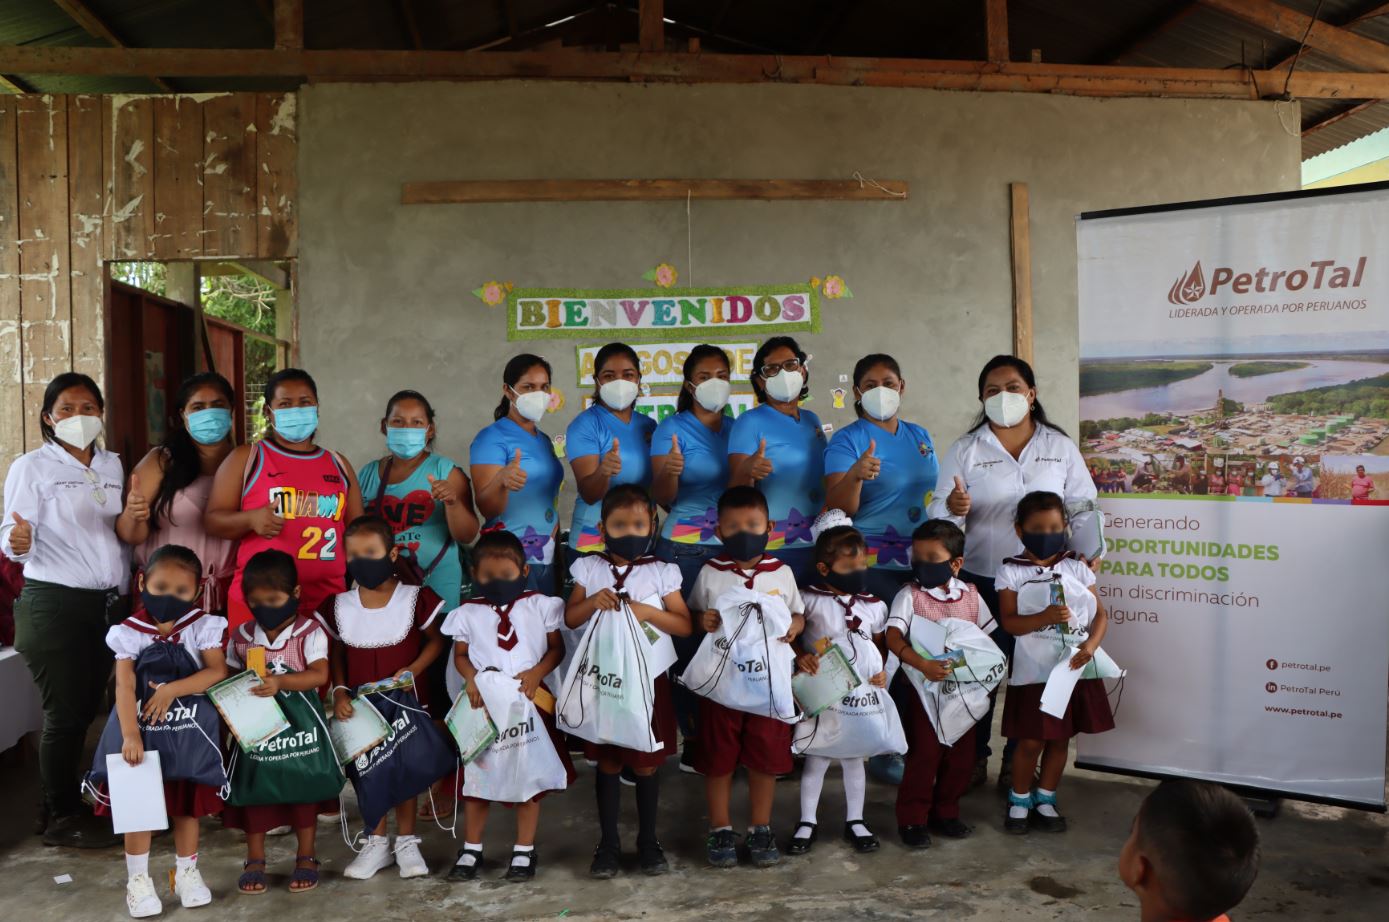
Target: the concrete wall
pixel 385 289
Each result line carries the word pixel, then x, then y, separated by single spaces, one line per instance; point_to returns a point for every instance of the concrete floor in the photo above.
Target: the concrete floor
pixel 1318 861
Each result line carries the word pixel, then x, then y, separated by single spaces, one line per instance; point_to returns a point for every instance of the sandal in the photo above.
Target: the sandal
pixel 249 879
pixel 304 875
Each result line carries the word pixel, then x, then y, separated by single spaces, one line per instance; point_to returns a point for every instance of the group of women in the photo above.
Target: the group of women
pixel 78 523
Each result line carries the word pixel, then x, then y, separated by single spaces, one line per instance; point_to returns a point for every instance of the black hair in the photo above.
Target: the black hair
pixel 742 498
pixel 1204 845
pixel 1038 501
pixel 371 525
pixel 176 555
pixel 409 394
pixel 498 544
pixel 285 375
pixel 624 495
pixel 608 352
pixel 63 382
pixel 866 364
pixel 685 401
pixel 760 357
pixel 517 366
pixel 944 531
pixel 1024 371
pixel 270 569
pixel 838 541
pixel 179 455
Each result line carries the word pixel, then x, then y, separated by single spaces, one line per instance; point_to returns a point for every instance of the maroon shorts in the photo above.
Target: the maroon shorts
pixel 662 725
pixel 1088 712
pixel 729 738
pixel 557 740
pixel 181 799
pixel 260 819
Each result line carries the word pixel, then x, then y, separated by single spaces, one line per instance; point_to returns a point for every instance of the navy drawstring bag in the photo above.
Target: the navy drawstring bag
pixel 406 763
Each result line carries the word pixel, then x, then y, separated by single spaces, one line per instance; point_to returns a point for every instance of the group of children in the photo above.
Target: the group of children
pixel 385 629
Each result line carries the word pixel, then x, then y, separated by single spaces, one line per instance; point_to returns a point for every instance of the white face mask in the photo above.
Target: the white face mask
pixel 1006 409
pixel 785 386
pixel 880 402
pixel 532 405
pixel 712 394
pixel 619 394
pixel 78 431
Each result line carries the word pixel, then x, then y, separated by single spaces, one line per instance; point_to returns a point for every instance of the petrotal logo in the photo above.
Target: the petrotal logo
pixel 1188 288
pixel 1191 286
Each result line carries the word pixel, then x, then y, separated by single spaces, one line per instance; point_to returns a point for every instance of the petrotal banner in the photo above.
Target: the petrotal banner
pixel 1234 405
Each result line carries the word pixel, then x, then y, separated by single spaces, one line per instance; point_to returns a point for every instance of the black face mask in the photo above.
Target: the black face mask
pixel 165 608
pixel 1044 545
pixel 270 617
pixel 370 571
pixel 629 547
pixel 931 575
pixel 852 583
pixel 502 591
pixel 745 545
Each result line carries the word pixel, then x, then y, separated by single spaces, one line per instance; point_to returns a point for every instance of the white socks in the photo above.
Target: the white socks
pixel 186 864
pixel 1047 809
pixel 136 865
pixel 1016 811
pixel 467 859
pixel 812 783
pixel 521 856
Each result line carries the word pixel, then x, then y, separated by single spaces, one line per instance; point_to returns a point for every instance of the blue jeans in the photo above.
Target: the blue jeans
pixel 690 558
pixel 983 731
pixel 801 560
pixel 542 577
pixel 885 583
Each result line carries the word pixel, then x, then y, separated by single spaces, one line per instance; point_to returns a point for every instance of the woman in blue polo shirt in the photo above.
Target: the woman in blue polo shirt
pixel 882 470
pixel 609 443
pixel 515 472
pixel 780 448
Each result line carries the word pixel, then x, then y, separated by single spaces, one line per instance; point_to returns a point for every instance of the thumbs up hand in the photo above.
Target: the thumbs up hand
pixel 611 465
pixel 513 475
pixel 21 536
pixel 136 506
pixel 868 465
pixel 675 460
pixel 958 500
pixel 442 490
pixel 761 465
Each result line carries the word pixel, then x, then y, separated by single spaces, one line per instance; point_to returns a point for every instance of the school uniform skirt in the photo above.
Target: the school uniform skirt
pixel 263 818
pixel 663 725
pixel 1088 712
pixel 556 740
pixel 181 799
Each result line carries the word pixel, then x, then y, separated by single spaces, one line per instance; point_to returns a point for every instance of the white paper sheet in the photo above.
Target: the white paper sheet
pixel 250 718
pixel 137 794
pixel 927 637
pixel 1061 684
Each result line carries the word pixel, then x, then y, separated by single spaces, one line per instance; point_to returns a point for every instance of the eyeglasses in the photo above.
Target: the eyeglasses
pixel 771 371
pixel 98 493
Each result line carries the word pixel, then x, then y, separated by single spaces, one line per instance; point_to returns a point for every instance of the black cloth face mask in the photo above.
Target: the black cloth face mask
pixel 502 591
pixel 855 582
pixel 1044 545
pixel 931 575
pixel 370 571
pixel 745 545
pixel 270 617
pixel 165 608
pixel 628 547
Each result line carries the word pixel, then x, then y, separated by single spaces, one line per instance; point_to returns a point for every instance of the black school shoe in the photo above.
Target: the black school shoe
pixel 520 873
pixel 762 850
pixel 953 828
pixel 606 862
pixel 461 872
pixel 862 844
pixel 915 836
pixel 1043 823
pixel 652 858
pixel 801 844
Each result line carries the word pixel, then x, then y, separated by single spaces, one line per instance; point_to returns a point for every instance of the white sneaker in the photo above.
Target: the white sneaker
pixel 408 857
pixel 140 897
pixel 191 890
pixel 280 830
pixel 374 857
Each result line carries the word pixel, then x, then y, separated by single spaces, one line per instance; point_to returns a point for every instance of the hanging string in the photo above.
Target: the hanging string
pixel 689 239
pixel 864 182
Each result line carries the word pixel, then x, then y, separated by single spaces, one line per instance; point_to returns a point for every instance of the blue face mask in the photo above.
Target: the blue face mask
pixel 208 427
pixel 295 424
pixel 405 443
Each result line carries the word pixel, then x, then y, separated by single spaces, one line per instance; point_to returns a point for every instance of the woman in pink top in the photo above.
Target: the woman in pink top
pixel 1361 485
pixel 170 486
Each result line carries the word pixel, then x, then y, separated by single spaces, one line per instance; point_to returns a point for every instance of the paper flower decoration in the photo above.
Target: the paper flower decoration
pixel 556 400
pixel 663 275
pixel 834 287
pixel 492 293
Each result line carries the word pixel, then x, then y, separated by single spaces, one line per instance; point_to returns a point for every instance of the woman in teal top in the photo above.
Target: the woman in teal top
pixel 609 443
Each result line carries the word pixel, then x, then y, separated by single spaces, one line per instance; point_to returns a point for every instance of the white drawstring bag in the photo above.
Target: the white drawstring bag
pixel 959 701
pixel 522 761
pixel 744 665
pixel 863 723
pixel 608 695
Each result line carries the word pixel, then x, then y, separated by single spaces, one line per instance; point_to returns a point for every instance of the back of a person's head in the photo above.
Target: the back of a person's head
pixel 1203 845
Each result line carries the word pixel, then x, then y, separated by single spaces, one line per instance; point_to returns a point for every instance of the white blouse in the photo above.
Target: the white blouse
pixel 200 631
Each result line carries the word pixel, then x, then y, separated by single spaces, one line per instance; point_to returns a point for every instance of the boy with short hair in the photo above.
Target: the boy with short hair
pixel 729 738
pixel 1192 853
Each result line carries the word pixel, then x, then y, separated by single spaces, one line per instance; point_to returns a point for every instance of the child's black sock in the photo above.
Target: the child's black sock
pixel 648 794
pixel 609 803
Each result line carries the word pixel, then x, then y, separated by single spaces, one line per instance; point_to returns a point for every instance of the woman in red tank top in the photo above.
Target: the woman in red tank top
pixel 287 493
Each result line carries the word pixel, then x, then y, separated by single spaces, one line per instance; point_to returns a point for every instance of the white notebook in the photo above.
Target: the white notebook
pixel 137 794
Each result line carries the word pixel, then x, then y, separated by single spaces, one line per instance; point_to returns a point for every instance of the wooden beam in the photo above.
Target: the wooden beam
pixel 11 84
pixel 647 190
pixel 93 25
pixel 1344 22
pixel 1145 33
pixel 1020 238
pixel 651 25
pixel 1341 44
pixel 1335 117
pixel 996 27
pixel 567 64
pixel 289 25
pixel 509 16
pixel 405 9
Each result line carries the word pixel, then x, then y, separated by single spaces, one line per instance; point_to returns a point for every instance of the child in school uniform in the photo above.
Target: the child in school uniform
pixel 729 738
pixel 626 571
pixel 169 589
pixel 935 776
pixel 840 610
pixel 515 631
pixel 296 659
pixel 383 629
pixel 1032 608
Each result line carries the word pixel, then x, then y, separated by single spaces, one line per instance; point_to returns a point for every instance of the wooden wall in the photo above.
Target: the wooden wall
pixel 87 179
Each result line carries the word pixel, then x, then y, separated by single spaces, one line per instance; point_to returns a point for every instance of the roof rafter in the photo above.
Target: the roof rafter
pixel 94 26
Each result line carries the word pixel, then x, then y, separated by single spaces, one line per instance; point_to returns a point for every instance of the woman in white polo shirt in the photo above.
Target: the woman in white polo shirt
pixel 1011 451
pixel 61 504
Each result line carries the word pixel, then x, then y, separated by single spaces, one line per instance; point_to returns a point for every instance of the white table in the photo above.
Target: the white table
pixel 21 710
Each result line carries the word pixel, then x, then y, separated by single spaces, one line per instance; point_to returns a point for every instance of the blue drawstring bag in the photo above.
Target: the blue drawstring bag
pixel 406 763
pixel 187 739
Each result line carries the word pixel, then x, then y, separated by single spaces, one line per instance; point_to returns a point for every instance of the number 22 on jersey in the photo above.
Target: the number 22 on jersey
pixel 319 543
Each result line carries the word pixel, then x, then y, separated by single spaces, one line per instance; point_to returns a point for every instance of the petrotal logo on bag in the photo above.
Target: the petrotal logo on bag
pixel 401 730
pixel 515 735
pixel 1191 286
pixel 302 739
pixel 179 713
pixel 868 700
pixel 604 679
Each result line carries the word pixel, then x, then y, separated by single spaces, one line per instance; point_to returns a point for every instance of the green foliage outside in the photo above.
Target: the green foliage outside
pixel 242 299
pixel 1107 377
pixel 1254 369
pixel 1363 397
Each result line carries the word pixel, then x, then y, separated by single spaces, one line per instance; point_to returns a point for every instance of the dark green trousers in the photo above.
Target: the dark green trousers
pixel 61 633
